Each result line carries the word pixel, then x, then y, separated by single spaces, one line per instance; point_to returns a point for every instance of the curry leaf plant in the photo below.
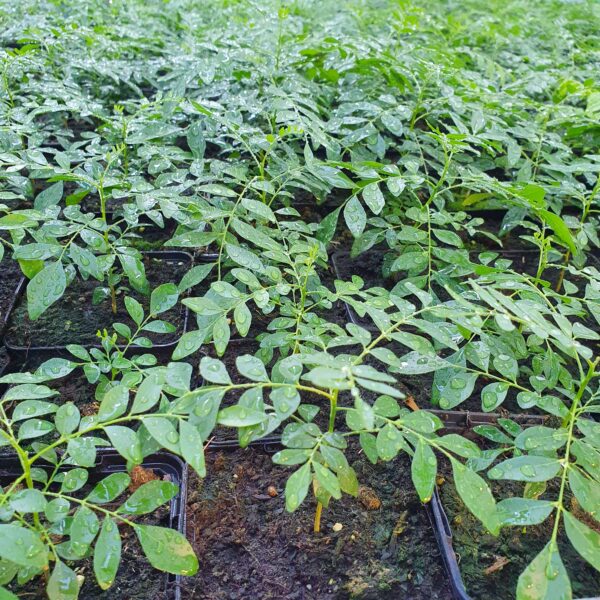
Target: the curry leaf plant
pixel 52 517
pixel 54 245
pixel 522 341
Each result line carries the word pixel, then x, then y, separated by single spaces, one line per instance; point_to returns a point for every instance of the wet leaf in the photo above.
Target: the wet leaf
pixel 167 550
pixel 107 553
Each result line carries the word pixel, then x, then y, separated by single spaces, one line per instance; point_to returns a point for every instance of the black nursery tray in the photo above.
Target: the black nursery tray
pixel 22 351
pixel 524 261
pixel 251 547
pixel 164 464
pixel 444 536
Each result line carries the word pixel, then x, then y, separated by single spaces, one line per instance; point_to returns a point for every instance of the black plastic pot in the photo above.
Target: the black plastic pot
pixel 513 255
pixel 22 352
pixel 443 534
pixel 109 461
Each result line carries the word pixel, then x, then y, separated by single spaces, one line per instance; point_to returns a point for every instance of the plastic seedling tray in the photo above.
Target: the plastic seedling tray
pixel 109 461
pixel 443 534
pixel 22 352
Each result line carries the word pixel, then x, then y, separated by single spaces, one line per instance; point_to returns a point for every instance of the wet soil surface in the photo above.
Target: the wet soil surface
pixel 10 275
pixel 478 550
pixel 250 547
pixel 75 320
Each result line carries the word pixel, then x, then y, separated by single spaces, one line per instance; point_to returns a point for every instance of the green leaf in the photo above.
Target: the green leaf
pixel 545 578
pixel 195 139
pixel 34 428
pixel 292 456
pixel 251 367
pixel 424 470
pixel 194 276
pixel 164 432
pixel 373 197
pixel 86 261
pixel 114 404
pixel 244 258
pixel 296 487
pixel 163 298
pixel 328 226
pixel 109 488
pixel 560 229
pixel 459 445
pixel 82 451
pixel 258 208
pixel 135 310
pixel 493 395
pixel 167 550
pixel 125 442
pixel 192 447
pixel 327 480
pixel 448 237
pixel 355 216
pixel 148 394
pixel 523 511
pixel 63 583
pixel 214 371
pixel 241 416
pixel 242 317
pixel 22 546
pixel 32 408
pixel 587 492
pixel 477 496
pixel 57 509
pixel 51 196
pixel 74 480
pixel 84 526
pixel 188 344
pixel 135 272
pixel 389 442
pixel 28 391
pixel 541 438
pixel 45 289
pixel 526 468
pixel 107 553
pixel 584 539
pixel 148 497
pixel 28 501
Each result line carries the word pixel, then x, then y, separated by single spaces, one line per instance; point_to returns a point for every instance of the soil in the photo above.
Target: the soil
pixel 250 547
pixel 478 550
pixel 75 320
pixel 10 276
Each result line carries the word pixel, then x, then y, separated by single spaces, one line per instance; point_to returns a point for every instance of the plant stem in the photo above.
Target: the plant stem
pixel 318 512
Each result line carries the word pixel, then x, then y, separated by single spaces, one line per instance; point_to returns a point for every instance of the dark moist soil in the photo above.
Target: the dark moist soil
pixel 136 579
pixel 477 550
pixel 250 547
pixel 10 275
pixel 75 320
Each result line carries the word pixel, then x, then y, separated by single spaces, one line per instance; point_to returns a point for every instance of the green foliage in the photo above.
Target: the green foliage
pixel 261 141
